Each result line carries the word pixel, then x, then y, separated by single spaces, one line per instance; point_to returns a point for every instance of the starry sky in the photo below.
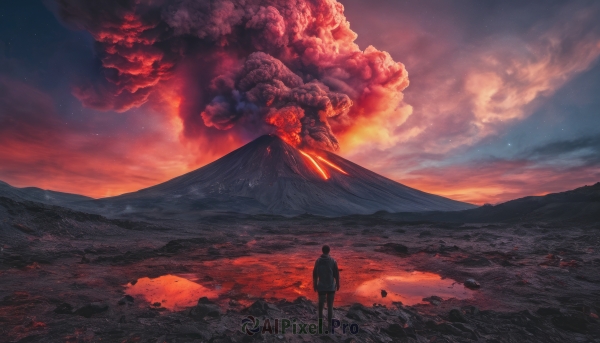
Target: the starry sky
pixel 502 103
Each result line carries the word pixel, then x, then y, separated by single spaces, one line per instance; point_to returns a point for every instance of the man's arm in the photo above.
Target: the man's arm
pixel 336 276
pixel 315 277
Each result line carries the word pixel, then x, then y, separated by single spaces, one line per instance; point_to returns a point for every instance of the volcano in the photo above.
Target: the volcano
pixel 269 176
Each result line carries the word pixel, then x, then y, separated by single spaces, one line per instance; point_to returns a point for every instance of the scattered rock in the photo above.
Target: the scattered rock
pixel 90 309
pixel 456 315
pixel 383 293
pixel 472 284
pixel 156 304
pixel 64 308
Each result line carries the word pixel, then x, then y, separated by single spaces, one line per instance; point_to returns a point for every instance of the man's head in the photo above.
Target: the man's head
pixel 325 249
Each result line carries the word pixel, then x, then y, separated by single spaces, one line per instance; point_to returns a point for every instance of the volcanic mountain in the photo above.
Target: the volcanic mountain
pixel 269 176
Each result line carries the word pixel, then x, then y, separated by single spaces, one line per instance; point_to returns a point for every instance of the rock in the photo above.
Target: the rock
pixel 456 315
pixel 84 260
pixel 472 284
pixel 156 304
pixel 260 308
pixel 394 249
pixel 475 261
pixel 90 309
pixel 383 293
pixel 191 331
pixel 447 329
pixel 394 331
pixel 548 311
pixel 122 320
pixel 359 312
pixel 205 308
pixel 128 299
pixel 471 310
pixel 434 300
pixel 571 322
pixel 64 308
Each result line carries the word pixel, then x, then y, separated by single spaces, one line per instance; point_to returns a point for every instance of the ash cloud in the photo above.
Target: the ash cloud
pixel 289 67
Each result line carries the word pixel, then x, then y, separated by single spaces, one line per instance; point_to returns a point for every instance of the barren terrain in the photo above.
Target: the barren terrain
pixel 65 276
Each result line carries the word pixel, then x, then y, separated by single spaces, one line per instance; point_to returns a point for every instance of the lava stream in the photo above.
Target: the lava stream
pixel 319 169
pixel 332 165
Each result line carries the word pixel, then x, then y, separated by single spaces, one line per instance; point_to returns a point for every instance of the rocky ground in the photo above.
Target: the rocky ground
pixel 62 277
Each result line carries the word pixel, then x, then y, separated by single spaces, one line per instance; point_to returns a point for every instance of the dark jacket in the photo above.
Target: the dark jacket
pixel 326 274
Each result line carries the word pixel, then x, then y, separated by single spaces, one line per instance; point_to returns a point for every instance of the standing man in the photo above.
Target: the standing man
pixel 326 280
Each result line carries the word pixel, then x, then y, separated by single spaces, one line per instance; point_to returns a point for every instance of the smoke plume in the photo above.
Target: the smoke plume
pixel 251 66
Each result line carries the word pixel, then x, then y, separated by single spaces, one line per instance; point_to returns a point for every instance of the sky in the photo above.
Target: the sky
pixel 501 100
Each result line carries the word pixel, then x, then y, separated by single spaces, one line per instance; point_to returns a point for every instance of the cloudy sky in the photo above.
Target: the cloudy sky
pixel 502 101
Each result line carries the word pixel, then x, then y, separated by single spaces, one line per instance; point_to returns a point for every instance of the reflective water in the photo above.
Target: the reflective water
pixel 288 276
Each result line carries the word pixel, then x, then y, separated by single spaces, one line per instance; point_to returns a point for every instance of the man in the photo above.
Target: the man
pixel 326 280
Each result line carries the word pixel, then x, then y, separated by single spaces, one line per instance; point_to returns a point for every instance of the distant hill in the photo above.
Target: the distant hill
pixel 578 205
pixel 39 195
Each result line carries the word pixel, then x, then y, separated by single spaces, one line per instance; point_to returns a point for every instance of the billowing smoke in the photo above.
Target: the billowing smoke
pixel 252 66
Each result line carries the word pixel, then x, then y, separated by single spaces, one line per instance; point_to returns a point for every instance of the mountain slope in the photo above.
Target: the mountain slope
pixel 39 195
pixel 269 176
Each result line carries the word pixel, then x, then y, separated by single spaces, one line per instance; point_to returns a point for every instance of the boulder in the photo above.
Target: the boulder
pixel 456 315
pixel 90 309
pixel 205 308
pixel 472 284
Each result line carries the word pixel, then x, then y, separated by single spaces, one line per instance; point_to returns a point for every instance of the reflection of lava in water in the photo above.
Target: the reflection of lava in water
pixel 289 275
pixel 173 292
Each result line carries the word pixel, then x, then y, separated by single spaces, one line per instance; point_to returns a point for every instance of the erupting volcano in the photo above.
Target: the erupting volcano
pixel 269 176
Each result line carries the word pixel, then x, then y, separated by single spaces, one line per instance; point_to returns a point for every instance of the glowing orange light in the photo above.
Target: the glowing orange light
pixel 315 164
pixel 332 165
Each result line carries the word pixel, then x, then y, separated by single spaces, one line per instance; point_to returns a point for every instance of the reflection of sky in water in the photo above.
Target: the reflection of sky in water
pixel 409 288
pixel 289 275
pixel 173 292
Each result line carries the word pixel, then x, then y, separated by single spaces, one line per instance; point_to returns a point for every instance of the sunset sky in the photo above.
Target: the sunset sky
pixel 502 102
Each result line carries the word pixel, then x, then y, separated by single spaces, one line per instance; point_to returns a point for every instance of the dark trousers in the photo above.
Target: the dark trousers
pixel 329 296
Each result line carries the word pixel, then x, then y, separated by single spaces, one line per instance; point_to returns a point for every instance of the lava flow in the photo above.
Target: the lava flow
pixel 315 164
pixel 332 165
pixel 318 168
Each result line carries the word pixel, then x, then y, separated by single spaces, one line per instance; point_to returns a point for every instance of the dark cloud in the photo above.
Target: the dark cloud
pixel 258 59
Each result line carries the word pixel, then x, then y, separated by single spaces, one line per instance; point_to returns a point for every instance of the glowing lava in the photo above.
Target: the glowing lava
pixel 317 166
pixel 332 165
